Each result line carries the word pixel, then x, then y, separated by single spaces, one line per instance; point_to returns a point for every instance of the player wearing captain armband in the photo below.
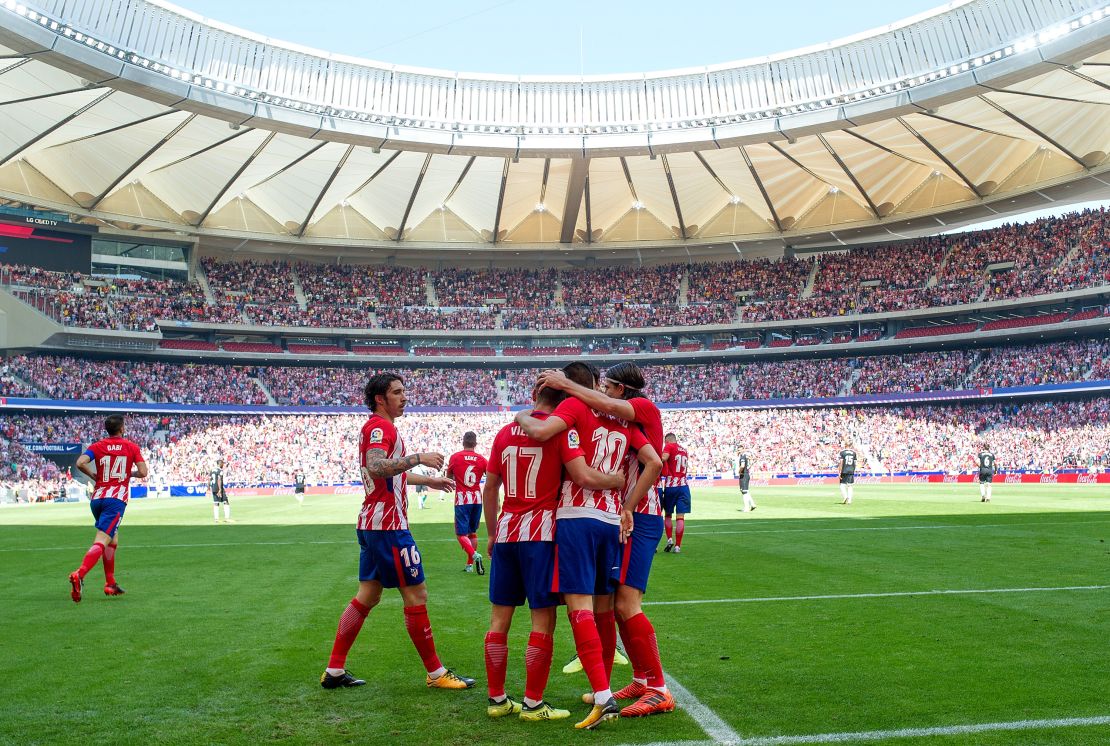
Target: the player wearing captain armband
pixel 388 556
pixel 466 467
pixel 522 549
pixel 111 463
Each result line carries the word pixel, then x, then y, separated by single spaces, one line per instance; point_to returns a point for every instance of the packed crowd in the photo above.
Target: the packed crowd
pixel 598 285
pixel 361 284
pixel 424 317
pixel 268 449
pixel 532 289
pixel 250 281
pixel 898 267
pixel 62 377
pixel 761 279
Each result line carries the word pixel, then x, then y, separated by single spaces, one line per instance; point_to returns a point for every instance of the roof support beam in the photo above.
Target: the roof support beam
pixel 762 189
pixel 139 161
pixel 1050 140
pixel 944 159
pixel 572 203
pixel 53 128
pixel 324 190
pixel 500 200
pixel 235 177
pixel 674 197
pixel 412 197
pixel 851 176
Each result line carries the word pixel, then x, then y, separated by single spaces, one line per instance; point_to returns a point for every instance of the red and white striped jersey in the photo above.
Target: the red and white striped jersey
pixel 386 505
pixel 680 462
pixel 467 468
pixel 531 473
pixel 650 423
pixel 113 458
pixel 605 440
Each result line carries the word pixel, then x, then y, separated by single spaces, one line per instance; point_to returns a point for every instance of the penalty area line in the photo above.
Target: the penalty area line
pixel 884 735
pixel 891 594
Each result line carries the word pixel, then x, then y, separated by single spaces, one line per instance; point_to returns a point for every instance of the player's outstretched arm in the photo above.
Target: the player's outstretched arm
pixel 649 475
pixel 591 478
pixel 379 467
pixel 84 465
pixel 443 484
pixel 556 379
pixel 490 506
pixel 536 429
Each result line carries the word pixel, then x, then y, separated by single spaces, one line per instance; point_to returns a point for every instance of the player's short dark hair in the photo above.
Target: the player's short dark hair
pixel 113 424
pixel 670 435
pixel 629 375
pixel 470 439
pixel 378 385
pixel 583 374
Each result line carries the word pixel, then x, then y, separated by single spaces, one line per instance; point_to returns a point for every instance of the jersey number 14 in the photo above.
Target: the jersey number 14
pixel 112 468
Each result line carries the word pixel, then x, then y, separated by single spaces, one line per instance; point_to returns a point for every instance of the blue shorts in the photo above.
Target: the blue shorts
pixel 107 512
pixel 467 518
pixel 676 500
pixel 639 550
pixel 586 555
pixel 522 570
pixel 389 557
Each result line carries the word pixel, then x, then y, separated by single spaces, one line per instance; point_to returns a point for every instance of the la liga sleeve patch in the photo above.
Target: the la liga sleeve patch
pixel 377 435
pixel 572 438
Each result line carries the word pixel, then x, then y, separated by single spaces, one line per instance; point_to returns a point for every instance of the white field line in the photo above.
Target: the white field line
pixel 883 735
pixel 929 527
pixel 710 722
pixel 892 594
pixel 205 544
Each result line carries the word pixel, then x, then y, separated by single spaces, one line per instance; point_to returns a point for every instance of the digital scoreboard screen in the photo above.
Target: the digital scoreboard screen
pixel 37 246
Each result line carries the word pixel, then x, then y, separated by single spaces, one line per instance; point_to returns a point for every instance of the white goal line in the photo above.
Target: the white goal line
pixel 890 594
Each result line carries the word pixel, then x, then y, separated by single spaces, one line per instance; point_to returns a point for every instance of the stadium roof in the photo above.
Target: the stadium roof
pixel 141 115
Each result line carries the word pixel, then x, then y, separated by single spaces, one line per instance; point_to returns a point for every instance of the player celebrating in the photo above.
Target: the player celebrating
pixel 847 472
pixel 676 493
pixel 986 473
pixel 744 473
pixel 642 524
pixel 219 494
pixel 466 467
pixel 389 557
pixel 111 463
pixel 522 549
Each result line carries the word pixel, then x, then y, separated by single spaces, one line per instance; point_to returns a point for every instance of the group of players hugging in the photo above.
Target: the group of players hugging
pixel 579 525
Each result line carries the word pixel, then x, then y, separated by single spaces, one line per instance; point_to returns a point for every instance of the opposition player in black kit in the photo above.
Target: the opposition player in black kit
pixel 219 494
pixel 298 486
pixel 847 473
pixel 744 472
pixel 986 474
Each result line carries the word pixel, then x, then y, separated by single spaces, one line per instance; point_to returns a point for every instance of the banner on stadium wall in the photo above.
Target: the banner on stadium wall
pixel 796 481
pixel 52 449
pixel 201 490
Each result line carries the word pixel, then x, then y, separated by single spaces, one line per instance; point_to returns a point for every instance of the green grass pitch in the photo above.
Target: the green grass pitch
pixel 225 629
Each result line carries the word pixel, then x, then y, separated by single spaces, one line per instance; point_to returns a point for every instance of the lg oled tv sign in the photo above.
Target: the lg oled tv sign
pixel 28 242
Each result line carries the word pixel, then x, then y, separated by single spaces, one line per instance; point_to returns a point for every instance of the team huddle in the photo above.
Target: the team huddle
pixel 573 518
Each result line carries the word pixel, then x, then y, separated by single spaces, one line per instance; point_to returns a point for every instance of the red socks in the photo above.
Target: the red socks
pixel 632 651
pixel 537 665
pixel 91 558
pixel 350 622
pixel 497 660
pixel 607 632
pixel 467 547
pixel 668 525
pixel 110 564
pixel 642 640
pixel 588 644
pixel 680 527
pixel 420 631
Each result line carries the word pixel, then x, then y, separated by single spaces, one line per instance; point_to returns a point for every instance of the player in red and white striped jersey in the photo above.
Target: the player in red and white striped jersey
pixel 621 395
pixel 522 538
pixel 389 557
pixel 110 463
pixel 589 528
pixel 676 493
pixel 466 467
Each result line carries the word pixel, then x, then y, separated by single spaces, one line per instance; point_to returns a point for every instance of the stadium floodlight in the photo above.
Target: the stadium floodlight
pixel 637 205
pixel 541 207
pixel 734 199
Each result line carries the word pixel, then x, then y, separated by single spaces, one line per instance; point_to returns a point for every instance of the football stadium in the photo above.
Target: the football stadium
pixel 348 401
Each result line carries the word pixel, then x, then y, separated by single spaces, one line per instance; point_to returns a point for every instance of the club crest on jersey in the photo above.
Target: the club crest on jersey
pixel 413 571
pixel 572 438
pixel 376 435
